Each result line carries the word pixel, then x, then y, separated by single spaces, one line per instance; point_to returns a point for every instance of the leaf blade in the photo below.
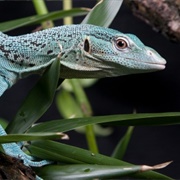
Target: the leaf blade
pixel 88 171
pixel 120 149
pixel 122 119
pixel 103 13
pixel 38 100
pixel 47 149
pixel 13 24
pixel 67 105
pixel 31 136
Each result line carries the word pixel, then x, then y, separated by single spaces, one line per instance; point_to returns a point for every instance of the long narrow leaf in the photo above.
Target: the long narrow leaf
pixel 55 151
pixel 67 105
pixel 123 119
pixel 32 136
pixel 122 145
pixel 87 171
pixel 38 100
pixel 103 13
pixel 13 24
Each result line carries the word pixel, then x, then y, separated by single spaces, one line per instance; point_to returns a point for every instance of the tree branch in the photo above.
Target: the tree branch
pixel 162 15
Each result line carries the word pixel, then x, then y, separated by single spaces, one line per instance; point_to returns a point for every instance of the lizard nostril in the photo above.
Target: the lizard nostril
pixel 155 57
pixel 150 52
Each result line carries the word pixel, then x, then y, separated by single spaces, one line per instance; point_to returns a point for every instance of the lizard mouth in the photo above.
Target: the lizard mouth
pixel 158 66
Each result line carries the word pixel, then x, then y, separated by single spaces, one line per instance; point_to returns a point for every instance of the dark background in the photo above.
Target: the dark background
pixel 152 92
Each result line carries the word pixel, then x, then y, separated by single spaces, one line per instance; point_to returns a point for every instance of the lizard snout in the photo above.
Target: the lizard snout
pixel 158 61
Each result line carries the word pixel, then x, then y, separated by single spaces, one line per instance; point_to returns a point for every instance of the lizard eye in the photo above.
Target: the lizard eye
pixel 121 43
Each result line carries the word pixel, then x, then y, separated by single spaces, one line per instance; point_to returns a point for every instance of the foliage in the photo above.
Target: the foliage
pixel 75 162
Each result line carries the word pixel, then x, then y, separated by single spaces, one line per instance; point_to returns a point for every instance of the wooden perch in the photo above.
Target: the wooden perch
pixel 162 15
pixel 12 168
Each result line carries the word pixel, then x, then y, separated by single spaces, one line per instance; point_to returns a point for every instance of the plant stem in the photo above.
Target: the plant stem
pixel 91 139
pixel 87 111
pixel 41 8
pixel 81 97
pixel 67 4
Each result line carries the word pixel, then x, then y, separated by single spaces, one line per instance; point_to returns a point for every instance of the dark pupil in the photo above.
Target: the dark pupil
pixel 121 44
pixel 86 45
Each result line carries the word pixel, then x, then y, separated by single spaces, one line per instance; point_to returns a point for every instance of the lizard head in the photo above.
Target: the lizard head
pixel 104 52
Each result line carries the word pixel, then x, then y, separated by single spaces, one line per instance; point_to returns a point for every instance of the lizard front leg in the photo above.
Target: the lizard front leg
pixel 14 150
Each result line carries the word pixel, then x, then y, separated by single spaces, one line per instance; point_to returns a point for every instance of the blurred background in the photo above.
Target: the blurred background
pixel 145 93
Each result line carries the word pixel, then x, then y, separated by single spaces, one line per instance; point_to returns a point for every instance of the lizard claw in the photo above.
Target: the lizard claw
pixel 14 150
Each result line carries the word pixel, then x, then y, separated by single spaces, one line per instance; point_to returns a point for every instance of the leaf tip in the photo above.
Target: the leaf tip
pixel 63 136
pixel 158 166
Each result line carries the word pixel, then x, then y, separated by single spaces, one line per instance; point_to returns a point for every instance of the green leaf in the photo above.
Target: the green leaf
pixel 3 123
pixel 38 100
pixel 103 13
pixel 32 136
pixel 87 82
pixel 67 105
pixel 170 118
pixel 98 130
pixel 84 83
pixel 9 25
pixel 123 143
pixel 67 154
pixel 84 172
pixel 87 171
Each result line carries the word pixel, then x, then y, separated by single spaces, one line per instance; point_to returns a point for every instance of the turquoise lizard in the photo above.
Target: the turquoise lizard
pixel 85 51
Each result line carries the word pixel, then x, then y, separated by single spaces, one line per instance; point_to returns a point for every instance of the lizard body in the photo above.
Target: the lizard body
pixel 85 51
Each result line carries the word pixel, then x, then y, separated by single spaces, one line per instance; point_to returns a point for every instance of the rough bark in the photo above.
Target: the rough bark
pixel 162 15
pixel 12 168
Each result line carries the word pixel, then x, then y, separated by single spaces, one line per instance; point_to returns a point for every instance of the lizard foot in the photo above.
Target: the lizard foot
pixel 14 150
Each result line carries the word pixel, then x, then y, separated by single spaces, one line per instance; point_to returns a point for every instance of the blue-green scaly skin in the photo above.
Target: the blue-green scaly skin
pixel 32 53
